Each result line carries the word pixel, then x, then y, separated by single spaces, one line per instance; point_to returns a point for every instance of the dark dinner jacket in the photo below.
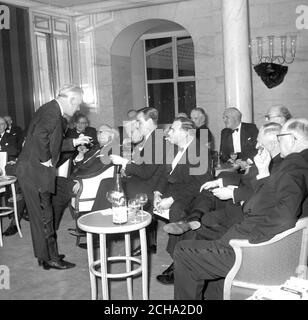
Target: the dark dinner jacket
pixel 18 134
pixel 276 203
pixel 143 176
pixel 43 142
pixel 8 144
pixel 249 133
pixel 181 184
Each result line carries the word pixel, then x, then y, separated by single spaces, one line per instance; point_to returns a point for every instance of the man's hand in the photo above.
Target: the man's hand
pixel 117 160
pixel 210 185
pixel 82 140
pixel 157 199
pixel 224 193
pixel 262 161
pixel 47 163
pixel 76 186
pixel 165 203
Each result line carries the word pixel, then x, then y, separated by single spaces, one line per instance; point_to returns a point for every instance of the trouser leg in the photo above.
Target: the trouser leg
pixel 32 199
pixel 196 262
pixel 48 220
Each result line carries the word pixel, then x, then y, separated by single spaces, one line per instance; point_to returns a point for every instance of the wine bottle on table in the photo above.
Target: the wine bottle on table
pixel 119 207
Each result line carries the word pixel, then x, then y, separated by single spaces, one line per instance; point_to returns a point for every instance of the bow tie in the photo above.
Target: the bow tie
pixel 235 130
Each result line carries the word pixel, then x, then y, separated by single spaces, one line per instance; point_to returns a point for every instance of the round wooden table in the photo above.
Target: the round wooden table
pixel 4 211
pixel 100 222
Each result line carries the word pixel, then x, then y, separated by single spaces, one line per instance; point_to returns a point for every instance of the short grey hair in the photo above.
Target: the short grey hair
pixel 68 88
pixel 298 126
pixel 270 128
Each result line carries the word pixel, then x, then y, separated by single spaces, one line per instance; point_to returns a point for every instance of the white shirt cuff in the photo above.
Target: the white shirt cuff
pixel 220 183
pixel 262 176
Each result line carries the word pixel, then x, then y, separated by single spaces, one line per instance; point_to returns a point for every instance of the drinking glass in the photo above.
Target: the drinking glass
pixel 143 199
pixel 134 205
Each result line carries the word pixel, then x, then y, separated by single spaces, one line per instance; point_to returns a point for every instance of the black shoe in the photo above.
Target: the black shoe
pixel 58 265
pixel 10 231
pixel 137 252
pixel 40 261
pixel 167 277
pixel 181 227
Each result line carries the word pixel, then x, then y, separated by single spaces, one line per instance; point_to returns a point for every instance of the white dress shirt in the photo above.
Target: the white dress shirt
pixel 179 155
pixel 236 137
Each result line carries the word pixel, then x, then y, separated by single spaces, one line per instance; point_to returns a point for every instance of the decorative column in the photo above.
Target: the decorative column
pixel 236 57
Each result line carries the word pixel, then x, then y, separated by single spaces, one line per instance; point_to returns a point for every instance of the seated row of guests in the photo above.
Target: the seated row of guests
pixel 232 208
pixel 277 202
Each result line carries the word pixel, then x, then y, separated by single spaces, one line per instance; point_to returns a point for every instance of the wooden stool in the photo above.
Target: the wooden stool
pixel 5 211
pixel 100 222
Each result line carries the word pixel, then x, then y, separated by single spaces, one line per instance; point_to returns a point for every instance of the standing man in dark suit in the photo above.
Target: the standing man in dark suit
pixel 180 186
pixel 36 172
pixel 143 172
pixel 8 142
pixel 237 137
pixel 274 207
pixel 15 131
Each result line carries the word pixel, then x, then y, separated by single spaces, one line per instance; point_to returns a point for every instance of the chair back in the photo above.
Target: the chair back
pixel 86 195
pixel 268 263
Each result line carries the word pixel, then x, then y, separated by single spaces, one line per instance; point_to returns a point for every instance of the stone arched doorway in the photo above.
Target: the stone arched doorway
pixel 164 84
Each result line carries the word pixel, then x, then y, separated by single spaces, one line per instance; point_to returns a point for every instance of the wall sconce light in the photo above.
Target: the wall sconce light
pixel 271 57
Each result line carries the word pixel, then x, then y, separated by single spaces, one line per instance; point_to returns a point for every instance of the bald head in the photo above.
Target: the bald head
pixel 278 113
pixel 232 118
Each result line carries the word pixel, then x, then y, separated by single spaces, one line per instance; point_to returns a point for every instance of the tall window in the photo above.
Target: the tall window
pixel 53 55
pixel 86 59
pixel 170 75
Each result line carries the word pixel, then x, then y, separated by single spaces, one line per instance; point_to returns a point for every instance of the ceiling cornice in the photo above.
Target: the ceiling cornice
pixel 104 6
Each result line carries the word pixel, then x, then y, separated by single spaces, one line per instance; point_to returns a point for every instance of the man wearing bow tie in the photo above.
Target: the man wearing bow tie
pixel 36 172
pixel 7 142
pixel 237 137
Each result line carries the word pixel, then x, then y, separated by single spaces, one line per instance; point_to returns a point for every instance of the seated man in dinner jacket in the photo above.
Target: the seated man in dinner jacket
pixel 237 137
pixel 181 184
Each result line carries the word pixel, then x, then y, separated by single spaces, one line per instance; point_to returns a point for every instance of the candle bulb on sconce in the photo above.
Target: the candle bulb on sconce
pixel 281 58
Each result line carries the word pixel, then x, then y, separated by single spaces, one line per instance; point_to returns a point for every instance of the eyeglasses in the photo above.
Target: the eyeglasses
pixel 82 122
pixel 268 116
pixel 284 134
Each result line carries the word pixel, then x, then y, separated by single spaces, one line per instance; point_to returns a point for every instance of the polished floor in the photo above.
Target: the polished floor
pixel 28 281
